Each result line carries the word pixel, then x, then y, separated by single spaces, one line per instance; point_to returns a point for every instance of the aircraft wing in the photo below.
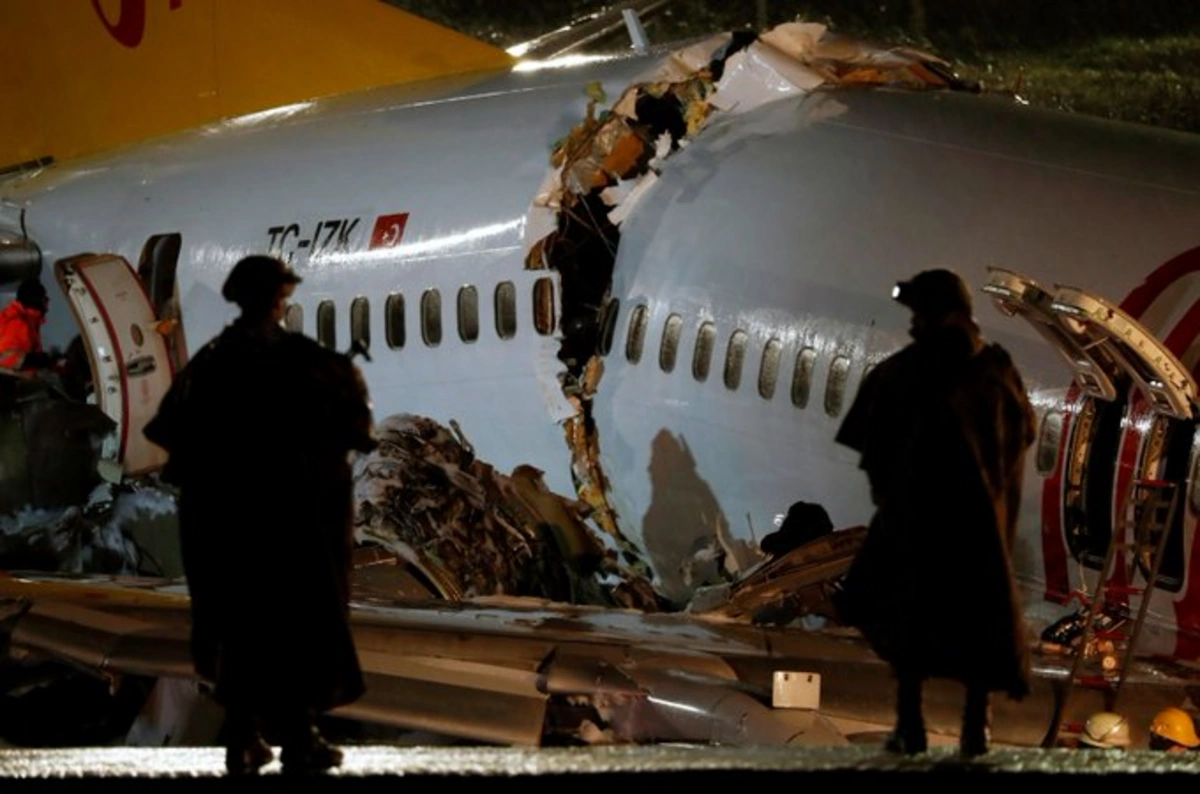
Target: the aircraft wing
pixel 528 672
pixel 505 671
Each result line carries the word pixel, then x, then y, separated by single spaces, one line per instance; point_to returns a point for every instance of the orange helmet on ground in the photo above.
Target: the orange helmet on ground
pixel 1176 725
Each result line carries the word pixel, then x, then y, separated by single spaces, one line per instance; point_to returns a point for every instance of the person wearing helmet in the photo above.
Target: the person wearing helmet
pixel 1173 730
pixel 1105 730
pixel 941 427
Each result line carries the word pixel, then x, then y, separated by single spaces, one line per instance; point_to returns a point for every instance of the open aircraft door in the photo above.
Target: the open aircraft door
pixel 1155 371
pixel 130 362
pixel 1100 342
pixel 1111 355
pixel 1018 296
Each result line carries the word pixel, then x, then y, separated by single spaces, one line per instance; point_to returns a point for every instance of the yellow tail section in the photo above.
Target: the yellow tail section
pixel 82 76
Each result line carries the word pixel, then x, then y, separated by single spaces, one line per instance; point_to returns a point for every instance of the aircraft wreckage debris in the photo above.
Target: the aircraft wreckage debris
pixel 467 530
pixel 603 167
pixel 471 530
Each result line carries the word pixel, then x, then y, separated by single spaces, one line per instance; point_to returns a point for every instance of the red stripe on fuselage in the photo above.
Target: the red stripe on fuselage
pixel 1158 282
pixel 1187 606
pixel 1054 547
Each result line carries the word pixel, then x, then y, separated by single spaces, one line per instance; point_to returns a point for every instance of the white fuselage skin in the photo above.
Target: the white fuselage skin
pixel 791 222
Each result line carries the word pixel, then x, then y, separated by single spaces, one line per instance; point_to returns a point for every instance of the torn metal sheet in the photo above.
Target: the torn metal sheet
pixel 797 584
pixel 762 74
pixel 470 530
pixel 609 163
pixel 118 530
pixel 683 64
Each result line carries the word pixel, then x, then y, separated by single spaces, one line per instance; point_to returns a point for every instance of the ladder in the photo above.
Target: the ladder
pixel 1150 513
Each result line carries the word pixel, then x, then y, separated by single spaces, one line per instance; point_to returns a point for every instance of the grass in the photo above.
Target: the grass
pixel 1065 55
pixel 1146 81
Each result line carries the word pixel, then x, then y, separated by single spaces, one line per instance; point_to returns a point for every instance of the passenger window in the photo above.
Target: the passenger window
pixel 360 322
pixel 506 310
pixel 468 314
pixel 608 326
pixel 326 324
pixel 431 317
pixel 544 319
pixel 768 373
pixel 1049 437
pixel 393 312
pixel 637 335
pixel 734 358
pixel 806 359
pixel 293 318
pixel 702 353
pixel 670 342
pixel 835 388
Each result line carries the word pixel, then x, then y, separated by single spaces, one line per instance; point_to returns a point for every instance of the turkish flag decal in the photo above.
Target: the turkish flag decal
pixel 389 230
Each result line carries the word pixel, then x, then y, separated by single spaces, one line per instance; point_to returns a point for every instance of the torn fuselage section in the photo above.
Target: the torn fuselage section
pixel 470 530
pixel 613 158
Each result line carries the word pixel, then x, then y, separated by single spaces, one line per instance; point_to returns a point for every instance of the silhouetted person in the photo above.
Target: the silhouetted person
pixel 942 426
pixel 804 521
pixel 259 426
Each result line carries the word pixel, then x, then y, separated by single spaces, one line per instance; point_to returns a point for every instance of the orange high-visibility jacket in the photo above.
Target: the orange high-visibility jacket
pixel 20 333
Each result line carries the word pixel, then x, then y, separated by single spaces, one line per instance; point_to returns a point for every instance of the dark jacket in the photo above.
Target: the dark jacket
pixel 942 426
pixel 259 426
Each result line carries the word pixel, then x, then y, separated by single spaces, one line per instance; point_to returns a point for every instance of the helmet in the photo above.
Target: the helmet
pixel 934 294
pixel 1106 729
pixel 1177 725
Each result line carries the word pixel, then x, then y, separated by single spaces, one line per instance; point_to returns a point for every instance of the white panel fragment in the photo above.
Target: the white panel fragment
pixel 761 74
pixel 683 64
pixel 622 210
pixel 797 39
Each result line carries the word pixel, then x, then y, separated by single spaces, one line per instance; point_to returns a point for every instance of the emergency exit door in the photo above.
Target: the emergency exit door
pixel 1124 374
pixel 129 357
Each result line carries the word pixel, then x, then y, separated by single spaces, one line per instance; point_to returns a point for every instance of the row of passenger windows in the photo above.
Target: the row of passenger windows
pixel 544 320
pixel 504 301
pixel 735 359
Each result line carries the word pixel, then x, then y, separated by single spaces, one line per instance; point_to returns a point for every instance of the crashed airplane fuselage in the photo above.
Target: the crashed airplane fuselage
pixel 647 286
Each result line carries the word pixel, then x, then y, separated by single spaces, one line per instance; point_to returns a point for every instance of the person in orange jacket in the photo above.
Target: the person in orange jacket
pixel 21 329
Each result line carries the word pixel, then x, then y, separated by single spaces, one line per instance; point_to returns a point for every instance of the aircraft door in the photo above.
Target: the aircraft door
pixel 1093 433
pixel 1143 430
pixel 1167 455
pixel 1158 428
pixel 130 360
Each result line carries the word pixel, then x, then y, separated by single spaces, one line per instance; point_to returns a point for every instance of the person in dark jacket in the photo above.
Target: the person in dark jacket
pixel 942 427
pixel 259 426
